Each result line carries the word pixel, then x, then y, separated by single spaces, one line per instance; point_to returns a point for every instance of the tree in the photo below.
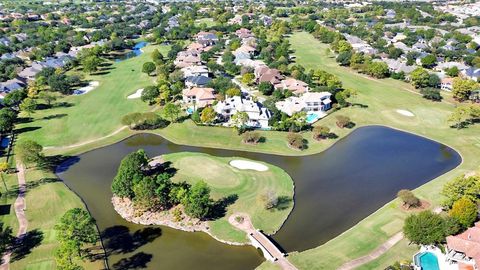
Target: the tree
pixel 431 94
pixel 3 169
pixel 429 61
pixel 7 120
pixel 29 151
pixel 59 83
pixel 425 228
pixel 198 202
pixel 464 211
pixel 321 132
pixel 233 92
pixel 129 173
pixel 157 57
pixel 148 68
pixel 296 141
pixel 452 72
pixel 208 115
pixel 75 229
pixel 460 187
pixel 377 69
pixel 248 78
pixel 343 58
pixel 408 198
pixel 14 98
pixel 420 78
pixel 149 94
pixel 47 97
pixel 144 194
pixel 465 115
pixel 171 111
pixel 265 88
pixel 239 119
pixel 342 121
pixel 91 63
pixel 251 137
pixel 462 88
pixel 28 105
pixel 269 199
pixel 6 237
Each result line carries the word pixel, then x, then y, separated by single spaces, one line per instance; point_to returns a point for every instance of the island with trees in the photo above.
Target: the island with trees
pixel 174 190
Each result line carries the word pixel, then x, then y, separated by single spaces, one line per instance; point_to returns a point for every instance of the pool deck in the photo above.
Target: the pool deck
pixel 442 258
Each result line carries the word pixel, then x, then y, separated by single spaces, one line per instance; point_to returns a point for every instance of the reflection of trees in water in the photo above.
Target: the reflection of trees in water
pixel 139 260
pixel 445 152
pixel 119 240
pixel 144 140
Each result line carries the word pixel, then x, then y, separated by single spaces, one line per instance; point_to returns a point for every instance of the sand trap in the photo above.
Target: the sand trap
pixel 91 86
pixel 248 165
pixel 405 113
pixel 137 94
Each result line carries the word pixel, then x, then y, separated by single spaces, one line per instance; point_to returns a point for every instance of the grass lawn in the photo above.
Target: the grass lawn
pixel 383 98
pixel 225 180
pixel 209 22
pixel 94 114
pixel 47 200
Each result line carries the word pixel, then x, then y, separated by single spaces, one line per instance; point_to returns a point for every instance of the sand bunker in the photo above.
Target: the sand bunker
pixel 248 165
pixel 91 86
pixel 405 113
pixel 137 94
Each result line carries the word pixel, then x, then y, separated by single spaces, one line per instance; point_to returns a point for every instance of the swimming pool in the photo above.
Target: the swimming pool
pixel 427 261
pixel 189 110
pixel 312 118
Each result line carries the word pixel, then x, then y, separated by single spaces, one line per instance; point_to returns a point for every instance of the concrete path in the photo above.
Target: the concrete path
pixel 20 207
pixel 374 254
pixel 247 226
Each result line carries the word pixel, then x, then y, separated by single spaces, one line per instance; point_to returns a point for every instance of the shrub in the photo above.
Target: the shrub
pixel 142 121
pixel 342 121
pixel 320 132
pixel 408 198
pixel 426 228
pixel 464 211
pixel 296 141
pixel 251 137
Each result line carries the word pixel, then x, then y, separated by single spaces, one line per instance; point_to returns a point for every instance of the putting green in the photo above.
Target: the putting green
pixel 245 186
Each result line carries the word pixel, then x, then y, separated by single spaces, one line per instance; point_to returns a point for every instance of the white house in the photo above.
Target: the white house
pixel 258 115
pixel 193 71
pixel 308 102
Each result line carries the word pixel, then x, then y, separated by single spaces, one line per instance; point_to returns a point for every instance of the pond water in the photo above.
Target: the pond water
pixel 333 190
pixel 136 51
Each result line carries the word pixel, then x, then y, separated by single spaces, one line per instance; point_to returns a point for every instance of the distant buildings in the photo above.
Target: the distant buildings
pixel 258 115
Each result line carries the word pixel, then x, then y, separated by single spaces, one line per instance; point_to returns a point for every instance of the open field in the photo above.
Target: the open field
pixel 209 22
pixel 247 185
pixel 383 98
pixel 96 113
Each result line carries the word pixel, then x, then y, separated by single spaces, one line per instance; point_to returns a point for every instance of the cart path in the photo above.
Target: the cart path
pixel 19 206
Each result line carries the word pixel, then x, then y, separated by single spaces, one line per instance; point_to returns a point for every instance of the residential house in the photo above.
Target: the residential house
pixel 390 14
pixel 258 115
pixel 206 38
pixel 471 73
pixel 359 45
pixel 243 33
pixel 188 58
pixel 475 96
pixel 197 81
pixel 193 71
pixel 446 65
pixel 397 65
pixel 198 97
pixel 398 37
pixel 446 84
pixel 11 85
pixel 296 86
pixel 464 248
pixel 250 63
pixel 266 74
pixel 308 102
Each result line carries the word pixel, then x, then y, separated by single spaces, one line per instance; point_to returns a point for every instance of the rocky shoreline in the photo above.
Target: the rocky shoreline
pixel 124 207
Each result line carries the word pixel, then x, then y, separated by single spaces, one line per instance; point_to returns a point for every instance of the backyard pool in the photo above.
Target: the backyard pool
pixel 313 117
pixel 189 110
pixel 427 261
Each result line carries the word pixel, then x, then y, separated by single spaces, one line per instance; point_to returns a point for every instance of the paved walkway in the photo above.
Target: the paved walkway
pixel 247 226
pixel 374 254
pixel 20 207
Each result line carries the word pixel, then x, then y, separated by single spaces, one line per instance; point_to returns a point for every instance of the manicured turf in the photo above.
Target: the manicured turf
pixel 96 113
pixel 383 98
pixel 47 200
pixel 209 22
pixel 225 180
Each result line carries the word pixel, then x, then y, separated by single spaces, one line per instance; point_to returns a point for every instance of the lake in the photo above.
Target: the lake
pixel 333 191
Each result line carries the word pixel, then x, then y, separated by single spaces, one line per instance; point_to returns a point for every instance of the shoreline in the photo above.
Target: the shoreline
pixel 124 208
